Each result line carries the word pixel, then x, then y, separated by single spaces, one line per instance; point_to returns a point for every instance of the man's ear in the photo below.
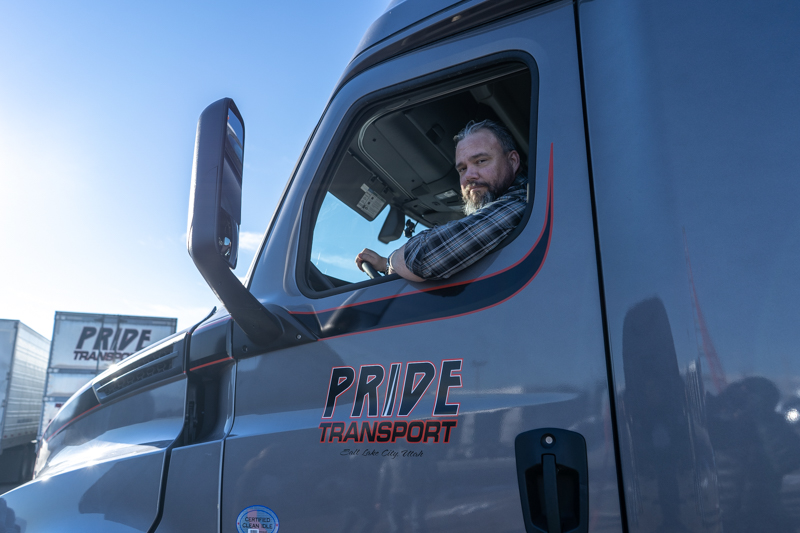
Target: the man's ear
pixel 513 158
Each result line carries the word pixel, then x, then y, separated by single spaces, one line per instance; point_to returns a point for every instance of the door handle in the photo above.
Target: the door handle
pixel 553 480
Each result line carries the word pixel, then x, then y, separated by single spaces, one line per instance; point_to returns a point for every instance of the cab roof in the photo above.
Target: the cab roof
pixel 410 24
pixel 400 14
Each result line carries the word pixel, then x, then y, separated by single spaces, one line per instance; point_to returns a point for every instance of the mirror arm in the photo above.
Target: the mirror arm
pixel 215 214
pixel 256 321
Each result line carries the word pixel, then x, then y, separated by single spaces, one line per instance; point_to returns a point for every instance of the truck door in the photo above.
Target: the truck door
pixel 404 413
pixel 701 245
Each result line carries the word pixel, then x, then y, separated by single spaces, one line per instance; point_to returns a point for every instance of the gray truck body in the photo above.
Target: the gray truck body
pixel 86 344
pixel 625 361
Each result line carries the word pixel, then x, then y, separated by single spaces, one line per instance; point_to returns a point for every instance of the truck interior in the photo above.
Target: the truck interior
pixel 397 177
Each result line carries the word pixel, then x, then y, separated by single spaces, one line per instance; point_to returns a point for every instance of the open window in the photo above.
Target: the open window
pixel 394 174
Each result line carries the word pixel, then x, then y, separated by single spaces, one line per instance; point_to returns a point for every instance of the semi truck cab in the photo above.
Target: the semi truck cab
pixel 622 361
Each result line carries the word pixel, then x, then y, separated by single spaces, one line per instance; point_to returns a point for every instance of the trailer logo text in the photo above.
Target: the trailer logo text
pixel 109 344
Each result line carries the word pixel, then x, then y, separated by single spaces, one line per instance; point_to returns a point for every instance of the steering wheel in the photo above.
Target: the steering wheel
pixel 370 271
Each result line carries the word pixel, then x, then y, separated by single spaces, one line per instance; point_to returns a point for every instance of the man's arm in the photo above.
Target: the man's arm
pixel 440 252
pixel 378 262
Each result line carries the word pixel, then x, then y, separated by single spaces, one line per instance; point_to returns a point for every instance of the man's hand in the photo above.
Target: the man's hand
pixel 377 261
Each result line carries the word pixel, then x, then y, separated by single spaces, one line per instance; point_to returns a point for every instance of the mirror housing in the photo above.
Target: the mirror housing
pixel 215 212
pixel 215 204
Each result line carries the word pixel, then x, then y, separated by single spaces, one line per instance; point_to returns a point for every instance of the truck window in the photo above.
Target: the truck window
pixel 395 176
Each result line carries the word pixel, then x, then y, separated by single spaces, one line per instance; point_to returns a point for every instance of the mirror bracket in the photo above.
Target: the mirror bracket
pixel 215 206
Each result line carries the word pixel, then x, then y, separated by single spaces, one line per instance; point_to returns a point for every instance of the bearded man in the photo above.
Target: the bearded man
pixel 495 196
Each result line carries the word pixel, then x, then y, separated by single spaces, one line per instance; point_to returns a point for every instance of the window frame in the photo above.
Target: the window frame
pixel 366 107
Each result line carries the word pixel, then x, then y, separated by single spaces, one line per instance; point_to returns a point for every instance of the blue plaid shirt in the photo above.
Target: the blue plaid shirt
pixel 440 252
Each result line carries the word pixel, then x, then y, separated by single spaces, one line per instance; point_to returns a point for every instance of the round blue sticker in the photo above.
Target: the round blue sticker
pixel 257 519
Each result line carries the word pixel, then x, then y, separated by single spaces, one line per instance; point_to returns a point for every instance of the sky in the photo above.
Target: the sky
pixel 98 108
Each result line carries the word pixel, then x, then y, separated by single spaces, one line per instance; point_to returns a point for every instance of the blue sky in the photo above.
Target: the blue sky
pixel 98 107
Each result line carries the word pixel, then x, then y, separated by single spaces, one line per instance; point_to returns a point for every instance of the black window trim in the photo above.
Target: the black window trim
pixel 364 109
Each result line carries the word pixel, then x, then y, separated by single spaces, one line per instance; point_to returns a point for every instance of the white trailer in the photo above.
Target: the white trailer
pixel 23 365
pixel 86 344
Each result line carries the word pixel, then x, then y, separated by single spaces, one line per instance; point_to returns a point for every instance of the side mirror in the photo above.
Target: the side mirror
pixel 215 213
pixel 215 208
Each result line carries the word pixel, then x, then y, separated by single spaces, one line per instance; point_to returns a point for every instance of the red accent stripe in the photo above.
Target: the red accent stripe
pixel 77 417
pixel 211 363
pixel 56 432
pixel 544 257
pixel 455 284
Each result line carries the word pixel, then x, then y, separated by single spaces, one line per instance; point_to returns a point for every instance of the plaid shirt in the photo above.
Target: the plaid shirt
pixel 440 252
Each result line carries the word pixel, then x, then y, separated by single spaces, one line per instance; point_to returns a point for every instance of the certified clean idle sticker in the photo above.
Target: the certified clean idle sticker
pixel 257 519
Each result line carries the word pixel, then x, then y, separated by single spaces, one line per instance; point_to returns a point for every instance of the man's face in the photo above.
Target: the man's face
pixel 485 171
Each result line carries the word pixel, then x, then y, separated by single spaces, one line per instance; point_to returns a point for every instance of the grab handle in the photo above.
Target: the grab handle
pixel 553 480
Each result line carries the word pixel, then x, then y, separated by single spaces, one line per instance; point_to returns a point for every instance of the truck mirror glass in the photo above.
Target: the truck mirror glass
pixel 235 137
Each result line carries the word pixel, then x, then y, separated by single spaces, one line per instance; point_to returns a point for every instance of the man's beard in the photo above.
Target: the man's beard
pixel 471 206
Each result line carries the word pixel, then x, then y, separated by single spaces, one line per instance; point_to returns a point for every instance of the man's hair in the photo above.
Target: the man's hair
pixel 500 132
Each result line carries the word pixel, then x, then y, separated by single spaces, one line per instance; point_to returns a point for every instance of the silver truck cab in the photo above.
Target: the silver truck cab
pixel 626 360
